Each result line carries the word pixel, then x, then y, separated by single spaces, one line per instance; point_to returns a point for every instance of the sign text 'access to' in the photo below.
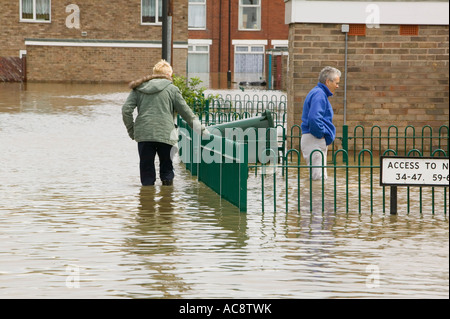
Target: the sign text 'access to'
pixel 414 171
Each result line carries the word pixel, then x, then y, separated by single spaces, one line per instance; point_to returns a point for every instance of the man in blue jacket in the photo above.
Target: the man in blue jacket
pixel 317 126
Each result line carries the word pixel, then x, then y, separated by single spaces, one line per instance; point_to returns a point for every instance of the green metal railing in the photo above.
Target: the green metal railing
pixel 352 164
pixel 354 185
pixel 393 138
pixel 401 141
pixel 350 187
pixel 218 109
pixel 246 103
pixel 222 166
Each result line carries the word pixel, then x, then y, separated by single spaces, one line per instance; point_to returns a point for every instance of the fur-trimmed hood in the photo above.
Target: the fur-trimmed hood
pixel 136 83
pixel 157 100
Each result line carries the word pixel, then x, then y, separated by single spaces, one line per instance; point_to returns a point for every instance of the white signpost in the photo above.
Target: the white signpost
pixel 412 171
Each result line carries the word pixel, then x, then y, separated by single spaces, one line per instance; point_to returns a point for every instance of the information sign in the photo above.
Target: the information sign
pixel 414 171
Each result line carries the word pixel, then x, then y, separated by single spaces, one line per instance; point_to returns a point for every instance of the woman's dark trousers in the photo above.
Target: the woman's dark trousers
pixel 147 152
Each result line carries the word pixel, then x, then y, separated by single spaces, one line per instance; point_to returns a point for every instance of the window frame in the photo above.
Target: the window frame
pixel 157 22
pixel 192 49
pixel 249 48
pixel 205 17
pixel 250 51
pixel 241 27
pixel 34 19
pixel 193 45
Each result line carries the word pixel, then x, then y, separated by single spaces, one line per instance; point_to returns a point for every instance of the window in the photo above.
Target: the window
pixel 248 63
pixel 198 59
pixel 280 44
pixel 197 14
pixel 151 11
pixel 249 14
pixel 35 10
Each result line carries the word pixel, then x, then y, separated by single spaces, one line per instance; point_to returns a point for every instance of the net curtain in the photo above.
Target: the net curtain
pixel 42 9
pixel 249 67
pixel 149 10
pixel 197 14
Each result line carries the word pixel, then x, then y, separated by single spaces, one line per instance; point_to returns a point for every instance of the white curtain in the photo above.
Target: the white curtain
pixel 248 67
pixel 197 14
pixel 27 9
pixel 198 63
pixel 160 10
pixel 149 10
pixel 43 9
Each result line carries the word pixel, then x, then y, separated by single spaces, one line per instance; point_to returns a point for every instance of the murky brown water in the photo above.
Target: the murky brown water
pixel 75 222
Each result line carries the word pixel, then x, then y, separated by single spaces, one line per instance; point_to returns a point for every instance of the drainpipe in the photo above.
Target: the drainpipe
pixel 345 29
pixel 269 76
pixel 167 30
pixel 229 45
pixel 219 63
pixel 23 56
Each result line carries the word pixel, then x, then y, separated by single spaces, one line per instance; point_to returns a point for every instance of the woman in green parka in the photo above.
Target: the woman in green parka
pixel 157 101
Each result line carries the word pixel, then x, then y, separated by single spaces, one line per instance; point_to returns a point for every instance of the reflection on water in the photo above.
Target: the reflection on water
pixel 75 222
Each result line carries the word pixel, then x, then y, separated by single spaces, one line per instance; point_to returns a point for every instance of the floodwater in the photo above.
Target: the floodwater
pixel 75 222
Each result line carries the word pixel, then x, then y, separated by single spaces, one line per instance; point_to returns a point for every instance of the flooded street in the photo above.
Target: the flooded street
pixel 76 223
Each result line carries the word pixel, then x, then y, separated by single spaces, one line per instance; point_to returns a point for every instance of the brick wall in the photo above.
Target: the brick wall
pixel 100 20
pixel 392 79
pixel 92 64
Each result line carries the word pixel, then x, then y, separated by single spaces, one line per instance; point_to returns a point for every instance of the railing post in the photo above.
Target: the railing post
pixel 242 159
pixel 206 109
pixel 345 142
pixel 393 200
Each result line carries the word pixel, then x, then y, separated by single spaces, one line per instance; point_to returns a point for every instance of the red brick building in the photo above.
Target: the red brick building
pixel 233 39
pixel 89 40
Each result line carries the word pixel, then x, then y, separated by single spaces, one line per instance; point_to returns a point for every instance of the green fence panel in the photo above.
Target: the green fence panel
pixel 222 165
pixel 210 172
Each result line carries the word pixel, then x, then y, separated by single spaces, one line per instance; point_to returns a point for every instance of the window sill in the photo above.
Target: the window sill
pixel 34 21
pixel 157 24
pixel 254 30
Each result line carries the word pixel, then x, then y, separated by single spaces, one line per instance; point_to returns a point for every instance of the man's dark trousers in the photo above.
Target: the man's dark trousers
pixel 147 152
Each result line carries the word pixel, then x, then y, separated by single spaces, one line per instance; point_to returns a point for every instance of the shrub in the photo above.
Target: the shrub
pixel 192 92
